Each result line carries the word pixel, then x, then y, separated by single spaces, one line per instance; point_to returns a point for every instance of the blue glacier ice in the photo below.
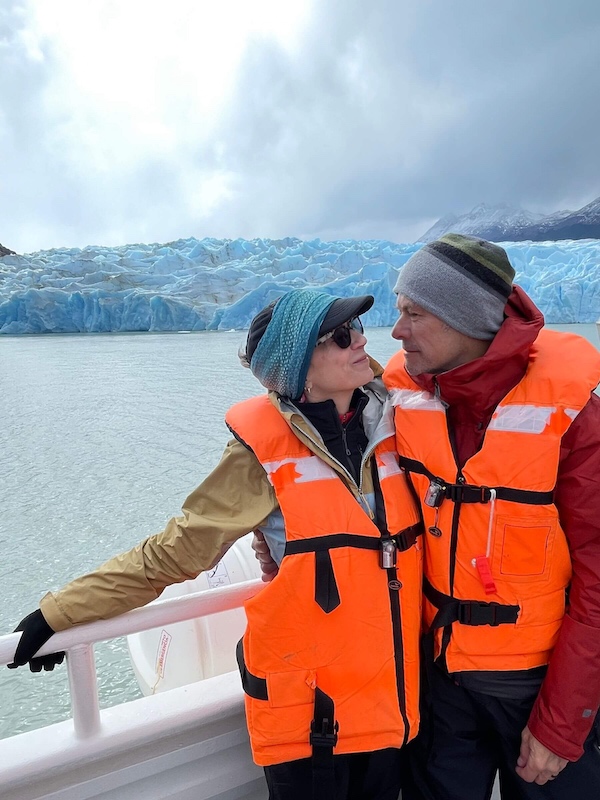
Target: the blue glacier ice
pixel 215 284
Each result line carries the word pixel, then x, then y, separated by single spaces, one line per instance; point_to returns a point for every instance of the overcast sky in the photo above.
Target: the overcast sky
pixel 127 121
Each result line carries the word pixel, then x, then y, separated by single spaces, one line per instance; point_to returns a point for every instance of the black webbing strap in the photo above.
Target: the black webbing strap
pixel 332 541
pixel 410 465
pixel 327 595
pixel 253 686
pixel 323 738
pixel 407 538
pixel 467 493
pixel 467 612
pixel 403 540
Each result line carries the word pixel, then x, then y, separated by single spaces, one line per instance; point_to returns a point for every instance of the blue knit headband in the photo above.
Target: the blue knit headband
pixel 282 357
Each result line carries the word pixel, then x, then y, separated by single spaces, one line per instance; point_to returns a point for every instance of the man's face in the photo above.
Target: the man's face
pixel 431 345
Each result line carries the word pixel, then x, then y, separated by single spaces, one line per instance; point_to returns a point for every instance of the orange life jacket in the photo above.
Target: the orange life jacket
pixel 496 558
pixel 330 653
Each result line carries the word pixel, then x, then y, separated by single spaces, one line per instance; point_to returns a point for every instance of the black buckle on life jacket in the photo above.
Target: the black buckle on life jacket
pixel 390 546
pixel 475 612
pixel 327 736
pixel 467 612
pixel 323 728
pixel 323 738
pixel 466 493
pixel 408 537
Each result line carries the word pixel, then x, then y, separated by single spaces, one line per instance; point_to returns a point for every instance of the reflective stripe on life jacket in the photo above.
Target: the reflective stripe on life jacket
pixel 335 629
pixel 496 558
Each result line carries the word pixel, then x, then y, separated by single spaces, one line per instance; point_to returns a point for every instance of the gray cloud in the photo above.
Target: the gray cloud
pixel 382 118
pixel 449 105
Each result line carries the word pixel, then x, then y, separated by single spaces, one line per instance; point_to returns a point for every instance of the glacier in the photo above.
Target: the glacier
pixel 219 284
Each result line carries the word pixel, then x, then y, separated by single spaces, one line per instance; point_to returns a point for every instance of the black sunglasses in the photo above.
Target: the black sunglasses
pixel 342 335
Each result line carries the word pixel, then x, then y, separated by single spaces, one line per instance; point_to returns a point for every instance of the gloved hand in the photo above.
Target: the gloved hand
pixel 36 633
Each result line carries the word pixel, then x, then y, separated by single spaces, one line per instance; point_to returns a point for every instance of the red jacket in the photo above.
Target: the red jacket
pixel 561 717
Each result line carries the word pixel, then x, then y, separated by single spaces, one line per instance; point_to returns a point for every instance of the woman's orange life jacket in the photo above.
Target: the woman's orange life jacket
pixel 497 562
pixel 330 654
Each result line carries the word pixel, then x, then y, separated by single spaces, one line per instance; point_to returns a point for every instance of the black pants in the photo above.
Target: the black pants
pixel 466 737
pixel 361 776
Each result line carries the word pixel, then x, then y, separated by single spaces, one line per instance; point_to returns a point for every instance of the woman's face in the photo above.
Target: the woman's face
pixel 335 370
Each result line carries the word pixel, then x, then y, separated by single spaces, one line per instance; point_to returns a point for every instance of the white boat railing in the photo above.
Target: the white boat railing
pixel 78 642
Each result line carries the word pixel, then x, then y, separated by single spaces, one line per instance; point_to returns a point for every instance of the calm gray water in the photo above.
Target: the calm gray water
pixel 102 438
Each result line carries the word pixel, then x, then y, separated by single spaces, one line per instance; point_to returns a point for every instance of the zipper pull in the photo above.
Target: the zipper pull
pixel 366 504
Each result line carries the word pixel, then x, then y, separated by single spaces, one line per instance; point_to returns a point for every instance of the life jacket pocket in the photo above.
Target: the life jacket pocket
pixel 522 548
pixel 291 688
pixel 284 718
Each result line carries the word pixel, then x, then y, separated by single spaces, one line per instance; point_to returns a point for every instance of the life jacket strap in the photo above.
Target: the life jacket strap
pixel 323 738
pixel 467 612
pixel 468 493
pixel 327 595
pixel 408 537
pixel 403 539
pixel 252 685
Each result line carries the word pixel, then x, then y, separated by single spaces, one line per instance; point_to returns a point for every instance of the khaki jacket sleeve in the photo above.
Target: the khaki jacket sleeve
pixel 232 501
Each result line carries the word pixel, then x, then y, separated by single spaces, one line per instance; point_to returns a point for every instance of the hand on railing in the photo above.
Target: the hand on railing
pixel 35 633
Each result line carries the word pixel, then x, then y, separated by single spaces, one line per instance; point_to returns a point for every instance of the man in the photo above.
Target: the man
pixel 501 436
pixel 500 432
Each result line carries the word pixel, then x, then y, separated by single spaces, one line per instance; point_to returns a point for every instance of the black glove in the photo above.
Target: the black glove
pixel 36 633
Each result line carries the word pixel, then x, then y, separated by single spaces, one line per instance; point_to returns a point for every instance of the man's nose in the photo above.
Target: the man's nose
pixel 400 331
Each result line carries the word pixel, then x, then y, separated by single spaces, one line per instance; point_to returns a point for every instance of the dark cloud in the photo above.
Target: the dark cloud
pixel 380 119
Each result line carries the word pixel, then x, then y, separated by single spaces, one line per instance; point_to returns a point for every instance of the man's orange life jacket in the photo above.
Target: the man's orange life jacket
pixel 497 562
pixel 330 655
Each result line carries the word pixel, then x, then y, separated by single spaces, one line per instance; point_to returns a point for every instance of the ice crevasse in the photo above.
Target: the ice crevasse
pixel 215 284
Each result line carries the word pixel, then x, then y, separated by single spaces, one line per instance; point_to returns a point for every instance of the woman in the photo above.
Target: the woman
pixel 329 658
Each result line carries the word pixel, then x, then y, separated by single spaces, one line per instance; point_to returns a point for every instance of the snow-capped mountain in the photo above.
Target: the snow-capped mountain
pixel 4 251
pixel 504 223
pixel 582 224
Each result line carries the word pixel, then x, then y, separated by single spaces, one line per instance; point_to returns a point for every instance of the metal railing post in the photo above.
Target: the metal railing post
pixel 83 684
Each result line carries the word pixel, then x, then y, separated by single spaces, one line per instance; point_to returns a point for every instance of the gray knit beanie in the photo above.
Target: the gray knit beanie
pixel 463 280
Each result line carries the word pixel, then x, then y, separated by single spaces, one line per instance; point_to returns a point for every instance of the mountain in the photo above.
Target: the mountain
pixel 582 224
pixel 4 251
pixel 505 223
